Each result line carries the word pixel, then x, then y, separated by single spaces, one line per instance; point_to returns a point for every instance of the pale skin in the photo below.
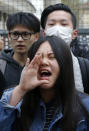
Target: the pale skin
pixel 29 72
pixel 61 18
pixel 21 46
pixel 30 77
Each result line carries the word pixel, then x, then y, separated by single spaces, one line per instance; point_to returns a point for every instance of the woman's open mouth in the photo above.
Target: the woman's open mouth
pixel 45 74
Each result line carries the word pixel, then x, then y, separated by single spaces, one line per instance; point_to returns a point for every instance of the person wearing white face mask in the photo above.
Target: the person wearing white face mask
pixel 63 32
pixel 60 21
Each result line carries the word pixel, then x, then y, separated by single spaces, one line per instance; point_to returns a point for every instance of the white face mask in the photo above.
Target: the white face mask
pixel 63 32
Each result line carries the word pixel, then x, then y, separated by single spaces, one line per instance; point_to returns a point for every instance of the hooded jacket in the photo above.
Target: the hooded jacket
pixel 12 69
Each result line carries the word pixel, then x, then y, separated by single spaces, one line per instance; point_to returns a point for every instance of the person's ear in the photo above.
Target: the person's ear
pixel 75 34
pixel 9 38
pixel 37 36
pixel 42 32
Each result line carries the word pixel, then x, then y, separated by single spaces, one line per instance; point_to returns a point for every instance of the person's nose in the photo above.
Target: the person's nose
pixel 20 38
pixel 58 24
pixel 45 61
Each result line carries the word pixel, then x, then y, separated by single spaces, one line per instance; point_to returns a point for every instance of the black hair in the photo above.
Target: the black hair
pixel 64 88
pixel 55 7
pixel 25 19
pixel 2 83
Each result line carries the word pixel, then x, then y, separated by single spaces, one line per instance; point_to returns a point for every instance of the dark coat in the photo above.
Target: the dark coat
pixel 12 70
pixel 2 83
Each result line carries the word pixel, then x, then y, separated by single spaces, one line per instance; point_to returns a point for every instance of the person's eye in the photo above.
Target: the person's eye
pixel 15 33
pixel 64 24
pixel 25 34
pixel 51 24
pixel 51 56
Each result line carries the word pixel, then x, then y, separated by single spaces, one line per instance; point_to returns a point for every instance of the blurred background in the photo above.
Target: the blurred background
pixel 79 7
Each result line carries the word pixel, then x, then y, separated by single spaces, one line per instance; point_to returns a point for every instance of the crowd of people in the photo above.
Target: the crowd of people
pixel 45 86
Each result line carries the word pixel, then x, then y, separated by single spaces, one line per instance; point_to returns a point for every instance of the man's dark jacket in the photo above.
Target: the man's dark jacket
pixel 12 70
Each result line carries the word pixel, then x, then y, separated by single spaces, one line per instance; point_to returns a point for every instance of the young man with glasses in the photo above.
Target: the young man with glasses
pixel 23 30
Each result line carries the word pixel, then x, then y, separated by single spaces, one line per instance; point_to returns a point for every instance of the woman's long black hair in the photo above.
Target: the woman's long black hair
pixel 65 88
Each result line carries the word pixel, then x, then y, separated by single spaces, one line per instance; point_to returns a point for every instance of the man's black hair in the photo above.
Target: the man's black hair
pixel 25 19
pixel 55 7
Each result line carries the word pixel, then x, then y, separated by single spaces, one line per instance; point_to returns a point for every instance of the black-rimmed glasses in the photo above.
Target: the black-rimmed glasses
pixel 25 35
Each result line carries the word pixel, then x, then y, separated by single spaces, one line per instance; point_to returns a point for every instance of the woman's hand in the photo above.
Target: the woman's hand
pixel 29 79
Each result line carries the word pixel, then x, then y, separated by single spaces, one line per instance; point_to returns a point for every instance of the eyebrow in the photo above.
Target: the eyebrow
pixel 53 20
pixel 47 53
